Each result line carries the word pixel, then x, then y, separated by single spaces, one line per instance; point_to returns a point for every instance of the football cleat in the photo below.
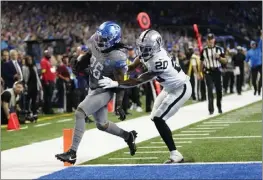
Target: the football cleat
pixel 69 156
pixel 176 158
pixel 131 142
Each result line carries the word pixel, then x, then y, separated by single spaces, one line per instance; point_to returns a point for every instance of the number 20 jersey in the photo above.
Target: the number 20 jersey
pixel 172 76
pixel 104 64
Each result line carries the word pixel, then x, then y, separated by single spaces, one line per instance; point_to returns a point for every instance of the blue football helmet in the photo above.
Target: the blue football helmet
pixel 107 35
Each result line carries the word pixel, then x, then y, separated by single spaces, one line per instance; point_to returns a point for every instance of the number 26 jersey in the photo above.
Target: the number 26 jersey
pixel 172 76
pixel 104 64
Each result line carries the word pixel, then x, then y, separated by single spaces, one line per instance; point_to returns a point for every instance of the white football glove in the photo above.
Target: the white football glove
pixel 106 83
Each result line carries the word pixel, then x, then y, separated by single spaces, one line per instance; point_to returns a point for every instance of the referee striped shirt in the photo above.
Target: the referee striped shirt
pixel 208 56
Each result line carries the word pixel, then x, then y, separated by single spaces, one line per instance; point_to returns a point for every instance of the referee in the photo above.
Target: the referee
pixel 211 58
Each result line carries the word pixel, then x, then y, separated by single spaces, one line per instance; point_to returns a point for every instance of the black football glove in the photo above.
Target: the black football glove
pixel 121 113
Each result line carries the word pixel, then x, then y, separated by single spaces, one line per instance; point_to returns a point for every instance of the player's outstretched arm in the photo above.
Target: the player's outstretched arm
pixel 143 78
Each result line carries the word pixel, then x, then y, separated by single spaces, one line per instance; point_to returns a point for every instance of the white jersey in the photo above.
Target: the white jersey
pixel 172 76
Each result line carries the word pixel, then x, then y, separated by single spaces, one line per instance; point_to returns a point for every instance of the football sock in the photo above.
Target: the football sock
pixel 115 130
pixel 78 130
pixel 165 133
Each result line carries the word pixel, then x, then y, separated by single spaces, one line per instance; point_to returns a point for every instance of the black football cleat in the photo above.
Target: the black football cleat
pixel 131 142
pixel 69 156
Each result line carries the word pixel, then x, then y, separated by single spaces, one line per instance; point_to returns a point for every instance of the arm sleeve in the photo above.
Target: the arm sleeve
pixel 6 96
pixel 202 58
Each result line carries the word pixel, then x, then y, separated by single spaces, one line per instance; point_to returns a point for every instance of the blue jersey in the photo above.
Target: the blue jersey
pixel 104 64
pixel 255 55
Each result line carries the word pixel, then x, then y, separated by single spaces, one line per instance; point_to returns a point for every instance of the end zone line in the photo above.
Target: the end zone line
pixel 178 164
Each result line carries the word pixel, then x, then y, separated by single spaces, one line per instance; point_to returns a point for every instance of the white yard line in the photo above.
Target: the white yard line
pixel 154 147
pixel 36 165
pixel 40 125
pixel 137 158
pixel 206 134
pixel 149 152
pixel 222 137
pixel 212 125
pixel 201 131
pixel 178 142
pixel 209 128
pixel 64 120
pixel 219 122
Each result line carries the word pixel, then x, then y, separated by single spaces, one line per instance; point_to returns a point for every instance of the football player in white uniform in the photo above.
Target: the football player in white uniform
pixel 176 86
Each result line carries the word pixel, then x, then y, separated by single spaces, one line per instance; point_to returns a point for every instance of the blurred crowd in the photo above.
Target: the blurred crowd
pixel 51 84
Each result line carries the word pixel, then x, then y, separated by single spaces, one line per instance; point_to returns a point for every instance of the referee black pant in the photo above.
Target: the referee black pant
pixel 213 78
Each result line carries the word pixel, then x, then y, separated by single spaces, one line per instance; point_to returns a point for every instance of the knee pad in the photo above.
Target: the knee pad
pixel 80 114
pixel 102 127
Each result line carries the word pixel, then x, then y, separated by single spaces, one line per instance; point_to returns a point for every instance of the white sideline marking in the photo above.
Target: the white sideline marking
pixel 209 128
pixel 64 120
pixel 148 152
pixel 133 158
pixel 178 164
pixel 25 127
pixel 191 134
pixel 44 124
pixel 179 142
pixel 232 122
pixel 154 147
pixel 212 125
pixel 205 131
pixel 223 137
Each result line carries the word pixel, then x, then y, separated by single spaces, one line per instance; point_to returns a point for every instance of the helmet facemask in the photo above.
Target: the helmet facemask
pixel 101 42
pixel 147 51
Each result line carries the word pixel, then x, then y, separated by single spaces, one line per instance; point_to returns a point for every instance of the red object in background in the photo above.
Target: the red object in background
pixel 13 122
pixel 48 75
pixel 198 38
pixel 144 20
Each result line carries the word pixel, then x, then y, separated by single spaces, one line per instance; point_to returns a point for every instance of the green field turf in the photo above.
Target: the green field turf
pixel 239 139
pixel 32 134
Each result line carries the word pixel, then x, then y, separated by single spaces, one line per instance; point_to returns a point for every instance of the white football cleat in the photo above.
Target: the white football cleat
pixel 139 109
pixel 176 157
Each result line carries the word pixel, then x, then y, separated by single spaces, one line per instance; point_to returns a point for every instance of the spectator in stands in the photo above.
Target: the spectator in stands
pixel 9 101
pixel 254 57
pixel 66 85
pixel 228 77
pixel 5 56
pixel 32 85
pixel 12 70
pixel 48 82
pixel 238 60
